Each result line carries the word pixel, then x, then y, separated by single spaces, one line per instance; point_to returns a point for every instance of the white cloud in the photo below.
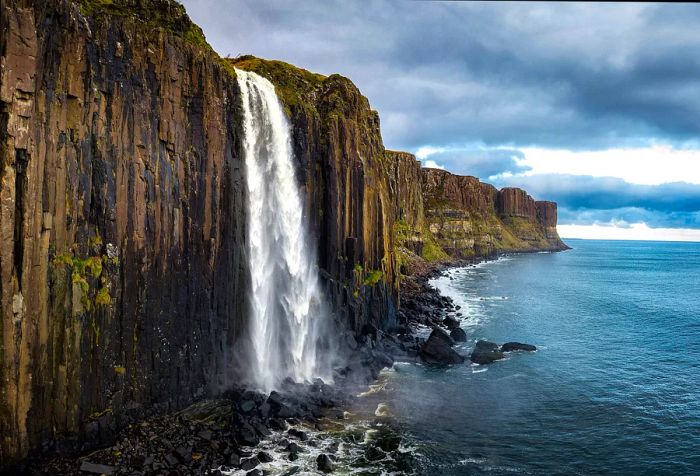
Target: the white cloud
pixel 425 151
pixel 648 166
pixel 634 231
pixel 431 164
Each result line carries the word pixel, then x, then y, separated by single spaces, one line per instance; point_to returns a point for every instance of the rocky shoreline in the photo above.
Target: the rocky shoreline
pixel 226 432
pixel 243 429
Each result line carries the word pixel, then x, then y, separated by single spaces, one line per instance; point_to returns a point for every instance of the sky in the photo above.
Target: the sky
pixel 595 106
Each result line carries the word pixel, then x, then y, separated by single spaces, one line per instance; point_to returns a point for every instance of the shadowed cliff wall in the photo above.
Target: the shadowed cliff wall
pixel 121 219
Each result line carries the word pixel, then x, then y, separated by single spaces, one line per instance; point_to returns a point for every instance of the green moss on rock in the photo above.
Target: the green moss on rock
pixel 168 15
pixel 291 83
pixel 432 251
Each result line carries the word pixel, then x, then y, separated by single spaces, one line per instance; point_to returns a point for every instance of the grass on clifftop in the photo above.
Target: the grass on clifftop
pixel 166 14
pixel 290 81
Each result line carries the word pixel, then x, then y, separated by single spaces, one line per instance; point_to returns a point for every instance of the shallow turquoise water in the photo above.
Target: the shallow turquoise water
pixel 613 389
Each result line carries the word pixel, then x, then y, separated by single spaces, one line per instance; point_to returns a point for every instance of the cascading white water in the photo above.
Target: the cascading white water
pixel 285 295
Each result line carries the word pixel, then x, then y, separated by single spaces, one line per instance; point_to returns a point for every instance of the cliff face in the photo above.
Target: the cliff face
pixel 467 218
pixel 406 177
pixel 121 219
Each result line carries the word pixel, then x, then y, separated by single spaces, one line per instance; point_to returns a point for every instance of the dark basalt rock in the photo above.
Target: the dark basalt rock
pixel 298 434
pixel 94 468
pixel 324 463
pixel 249 463
pixel 437 350
pixel 458 335
pixel 486 352
pixel 442 336
pixel 516 346
pixel 265 457
pixel 450 322
pixel 374 454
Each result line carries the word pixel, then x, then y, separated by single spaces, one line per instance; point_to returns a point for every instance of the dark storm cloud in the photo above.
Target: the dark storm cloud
pixel 606 193
pixel 585 200
pixel 552 75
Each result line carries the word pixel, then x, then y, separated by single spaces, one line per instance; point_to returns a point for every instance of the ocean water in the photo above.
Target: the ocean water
pixel 614 387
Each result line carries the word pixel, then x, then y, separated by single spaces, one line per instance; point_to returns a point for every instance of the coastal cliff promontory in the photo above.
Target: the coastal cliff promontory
pixel 122 214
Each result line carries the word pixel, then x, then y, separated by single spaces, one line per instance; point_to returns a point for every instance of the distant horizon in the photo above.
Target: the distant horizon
pixel 631 232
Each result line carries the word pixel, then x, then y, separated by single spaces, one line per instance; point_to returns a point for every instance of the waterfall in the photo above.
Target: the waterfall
pixel 286 301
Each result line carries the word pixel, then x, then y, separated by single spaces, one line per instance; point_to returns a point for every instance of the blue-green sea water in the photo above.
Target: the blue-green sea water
pixel 614 387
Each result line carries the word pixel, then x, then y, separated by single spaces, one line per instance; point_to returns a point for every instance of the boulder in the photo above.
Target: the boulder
pixel 298 434
pixel 249 463
pixel 442 335
pixel 94 468
pixel 450 322
pixel 437 350
pixel 324 463
pixel 486 352
pixel 458 335
pixel 516 346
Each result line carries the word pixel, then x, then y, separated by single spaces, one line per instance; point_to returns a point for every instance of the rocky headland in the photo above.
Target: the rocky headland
pixel 122 271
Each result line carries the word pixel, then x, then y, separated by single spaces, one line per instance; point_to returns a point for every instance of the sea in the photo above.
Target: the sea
pixel 613 388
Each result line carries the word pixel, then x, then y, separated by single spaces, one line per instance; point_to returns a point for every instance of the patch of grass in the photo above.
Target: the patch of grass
pixel 166 14
pixel 82 269
pixel 373 277
pixel 432 251
pixel 291 83
pixel 103 298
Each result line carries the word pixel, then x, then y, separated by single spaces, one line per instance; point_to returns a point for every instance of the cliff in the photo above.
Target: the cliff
pixel 120 215
pixel 122 267
pixel 470 218
pixel 463 217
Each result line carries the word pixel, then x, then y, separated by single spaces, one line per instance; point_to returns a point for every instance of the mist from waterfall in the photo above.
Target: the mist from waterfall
pixel 286 301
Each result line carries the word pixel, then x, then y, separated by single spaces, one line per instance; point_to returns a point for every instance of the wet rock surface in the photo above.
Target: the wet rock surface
pixel 517 346
pixel 438 349
pixel 486 352
pixel 458 335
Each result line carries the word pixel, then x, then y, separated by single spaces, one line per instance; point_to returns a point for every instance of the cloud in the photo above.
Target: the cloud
pixel 479 162
pixel 576 76
pixel 607 193
pixel 636 231
pixel 625 217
